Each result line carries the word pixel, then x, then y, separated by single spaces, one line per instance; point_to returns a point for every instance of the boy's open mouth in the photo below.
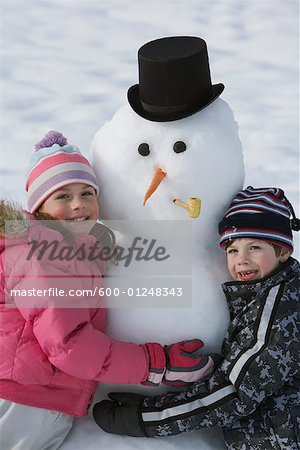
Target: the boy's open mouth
pixel 247 274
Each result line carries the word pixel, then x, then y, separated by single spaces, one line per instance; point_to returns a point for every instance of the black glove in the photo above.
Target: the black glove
pixel 120 416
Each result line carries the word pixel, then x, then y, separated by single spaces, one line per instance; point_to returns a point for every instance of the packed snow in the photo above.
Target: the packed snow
pixel 212 169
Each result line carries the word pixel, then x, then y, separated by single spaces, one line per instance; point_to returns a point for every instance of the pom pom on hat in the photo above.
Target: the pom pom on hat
pixel 55 164
pixel 261 213
pixel 52 137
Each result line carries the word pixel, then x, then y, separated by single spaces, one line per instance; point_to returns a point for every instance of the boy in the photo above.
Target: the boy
pixel 254 393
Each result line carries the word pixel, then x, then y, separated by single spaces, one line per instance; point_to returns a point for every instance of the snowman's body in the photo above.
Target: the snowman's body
pixel 211 168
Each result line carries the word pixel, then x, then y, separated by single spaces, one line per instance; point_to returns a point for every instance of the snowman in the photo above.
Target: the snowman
pixel 171 155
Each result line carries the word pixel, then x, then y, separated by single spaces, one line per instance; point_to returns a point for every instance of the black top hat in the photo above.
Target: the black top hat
pixel 174 79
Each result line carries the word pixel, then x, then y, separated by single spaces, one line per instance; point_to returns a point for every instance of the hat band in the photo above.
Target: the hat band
pixel 266 235
pixel 164 109
pixel 171 109
pixel 265 226
pixel 259 220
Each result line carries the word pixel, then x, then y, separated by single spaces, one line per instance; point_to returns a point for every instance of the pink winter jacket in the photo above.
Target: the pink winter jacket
pixel 50 356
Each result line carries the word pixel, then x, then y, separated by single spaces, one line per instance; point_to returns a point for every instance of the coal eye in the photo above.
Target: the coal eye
pixel 179 147
pixel 143 149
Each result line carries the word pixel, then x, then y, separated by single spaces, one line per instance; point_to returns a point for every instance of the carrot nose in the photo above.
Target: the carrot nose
pixel 157 179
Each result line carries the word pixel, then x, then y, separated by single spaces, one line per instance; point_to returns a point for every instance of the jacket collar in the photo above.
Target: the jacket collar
pixel 240 294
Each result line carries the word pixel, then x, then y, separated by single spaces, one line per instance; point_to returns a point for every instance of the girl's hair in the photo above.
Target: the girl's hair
pixel 54 224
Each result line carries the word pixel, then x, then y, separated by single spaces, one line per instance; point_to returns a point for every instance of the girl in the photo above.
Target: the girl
pixel 53 348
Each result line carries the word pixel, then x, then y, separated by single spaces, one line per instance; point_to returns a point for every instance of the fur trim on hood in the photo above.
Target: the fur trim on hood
pixel 13 220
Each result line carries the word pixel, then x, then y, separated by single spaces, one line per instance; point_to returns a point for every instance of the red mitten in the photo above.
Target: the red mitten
pixel 185 365
pixel 157 363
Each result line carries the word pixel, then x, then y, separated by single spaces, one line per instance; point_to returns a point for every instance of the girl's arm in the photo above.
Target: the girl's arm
pixel 66 334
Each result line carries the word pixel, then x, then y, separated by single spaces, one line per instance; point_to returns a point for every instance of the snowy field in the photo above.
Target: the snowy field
pixel 67 65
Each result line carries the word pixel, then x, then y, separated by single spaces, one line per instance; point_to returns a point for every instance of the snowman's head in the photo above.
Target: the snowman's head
pixel 201 157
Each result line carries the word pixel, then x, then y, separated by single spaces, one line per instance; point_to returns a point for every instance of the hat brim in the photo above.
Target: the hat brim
pixel 133 96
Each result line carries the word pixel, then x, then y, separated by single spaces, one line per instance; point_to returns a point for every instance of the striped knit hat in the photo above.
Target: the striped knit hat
pixel 262 213
pixel 55 164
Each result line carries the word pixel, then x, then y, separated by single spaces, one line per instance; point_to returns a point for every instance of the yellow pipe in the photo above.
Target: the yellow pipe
pixel 193 206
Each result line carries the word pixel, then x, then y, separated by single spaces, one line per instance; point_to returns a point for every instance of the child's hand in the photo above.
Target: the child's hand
pixel 178 364
pixel 121 415
pixel 185 364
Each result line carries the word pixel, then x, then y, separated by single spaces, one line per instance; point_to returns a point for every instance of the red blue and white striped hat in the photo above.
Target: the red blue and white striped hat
pixel 262 213
pixel 55 164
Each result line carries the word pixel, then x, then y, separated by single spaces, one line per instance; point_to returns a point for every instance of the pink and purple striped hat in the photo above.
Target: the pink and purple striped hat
pixel 54 164
pixel 261 213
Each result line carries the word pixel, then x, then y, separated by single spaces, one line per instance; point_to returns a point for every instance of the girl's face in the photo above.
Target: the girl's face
pixel 73 203
pixel 251 259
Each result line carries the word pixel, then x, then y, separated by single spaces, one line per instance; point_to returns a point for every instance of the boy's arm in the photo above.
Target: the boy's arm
pixel 252 371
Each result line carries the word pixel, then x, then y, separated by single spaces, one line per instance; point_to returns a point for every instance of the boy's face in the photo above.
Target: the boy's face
pixel 250 259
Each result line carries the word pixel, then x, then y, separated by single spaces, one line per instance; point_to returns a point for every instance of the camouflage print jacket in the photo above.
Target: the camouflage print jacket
pixel 254 395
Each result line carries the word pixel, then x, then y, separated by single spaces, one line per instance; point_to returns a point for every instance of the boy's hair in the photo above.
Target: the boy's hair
pixel 260 213
pixel 277 248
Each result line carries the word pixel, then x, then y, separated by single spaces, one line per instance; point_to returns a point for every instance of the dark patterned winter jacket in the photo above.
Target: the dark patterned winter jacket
pixel 254 395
